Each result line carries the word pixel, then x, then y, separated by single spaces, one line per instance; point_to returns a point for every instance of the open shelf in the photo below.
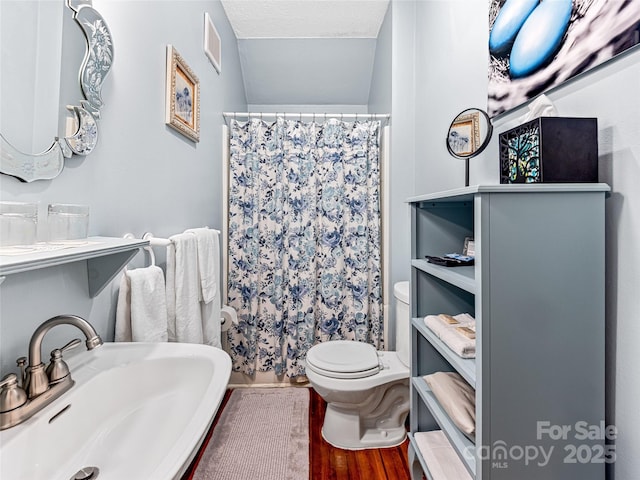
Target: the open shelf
pixel 420 456
pixel 438 456
pixel 105 257
pixel 466 367
pixel 458 440
pixel 461 277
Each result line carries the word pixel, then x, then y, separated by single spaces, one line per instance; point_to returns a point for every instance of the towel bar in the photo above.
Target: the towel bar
pixel 147 249
pixel 162 242
pixel 155 242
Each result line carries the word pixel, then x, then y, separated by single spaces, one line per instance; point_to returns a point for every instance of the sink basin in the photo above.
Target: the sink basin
pixel 137 410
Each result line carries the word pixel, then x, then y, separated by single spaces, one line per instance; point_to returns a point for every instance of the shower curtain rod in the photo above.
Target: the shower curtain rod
pixel 313 116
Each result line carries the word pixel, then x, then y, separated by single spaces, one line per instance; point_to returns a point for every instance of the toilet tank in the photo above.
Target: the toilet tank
pixel 403 320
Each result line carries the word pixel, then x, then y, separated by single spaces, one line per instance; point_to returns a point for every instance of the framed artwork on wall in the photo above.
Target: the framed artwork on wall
pixel 182 110
pixel 536 45
pixel 212 43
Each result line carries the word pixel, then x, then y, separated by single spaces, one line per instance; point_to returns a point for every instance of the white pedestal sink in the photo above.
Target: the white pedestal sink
pixel 137 410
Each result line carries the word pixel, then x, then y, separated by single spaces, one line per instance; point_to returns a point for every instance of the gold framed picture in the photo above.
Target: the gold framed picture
pixel 183 96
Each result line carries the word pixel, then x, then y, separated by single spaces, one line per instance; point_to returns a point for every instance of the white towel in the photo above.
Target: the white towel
pixel 141 311
pixel 464 346
pixel 444 463
pixel 123 311
pixel 208 242
pixel 183 290
pixel 208 261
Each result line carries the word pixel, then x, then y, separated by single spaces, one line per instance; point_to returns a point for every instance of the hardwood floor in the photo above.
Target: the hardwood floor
pixel 329 463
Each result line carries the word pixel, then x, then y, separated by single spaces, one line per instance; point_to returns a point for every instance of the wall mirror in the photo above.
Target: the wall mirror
pixel 468 135
pixel 32 39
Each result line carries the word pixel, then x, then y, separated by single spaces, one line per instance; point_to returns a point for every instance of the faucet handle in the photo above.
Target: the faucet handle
pixel 69 346
pixel 22 363
pixel 11 395
pixel 58 368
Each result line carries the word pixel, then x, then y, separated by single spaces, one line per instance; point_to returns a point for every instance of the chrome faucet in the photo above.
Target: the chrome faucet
pixel 41 386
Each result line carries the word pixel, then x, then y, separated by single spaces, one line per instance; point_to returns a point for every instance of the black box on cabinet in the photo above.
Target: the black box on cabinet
pixel 550 150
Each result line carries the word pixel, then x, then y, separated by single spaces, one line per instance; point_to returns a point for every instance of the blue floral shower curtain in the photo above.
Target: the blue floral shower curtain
pixel 304 240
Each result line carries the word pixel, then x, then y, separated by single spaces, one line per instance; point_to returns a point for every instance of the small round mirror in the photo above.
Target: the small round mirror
pixel 469 133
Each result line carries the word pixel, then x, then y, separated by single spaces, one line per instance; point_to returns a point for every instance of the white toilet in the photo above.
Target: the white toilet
pixel 367 391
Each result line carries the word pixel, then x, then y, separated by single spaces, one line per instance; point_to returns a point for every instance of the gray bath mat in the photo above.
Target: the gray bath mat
pixel 262 433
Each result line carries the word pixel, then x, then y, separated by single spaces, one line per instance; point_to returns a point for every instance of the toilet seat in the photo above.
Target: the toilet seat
pixel 343 359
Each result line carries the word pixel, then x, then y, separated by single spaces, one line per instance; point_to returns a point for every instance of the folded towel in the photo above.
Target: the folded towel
pixel 208 261
pixel 183 290
pixel 141 311
pixel 123 311
pixel 457 332
pixel 458 399
pixel 444 463
pixel 208 245
pixel 148 304
pixel 211 322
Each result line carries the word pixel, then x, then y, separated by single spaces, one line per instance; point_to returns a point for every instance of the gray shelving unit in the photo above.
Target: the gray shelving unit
pixel 537 293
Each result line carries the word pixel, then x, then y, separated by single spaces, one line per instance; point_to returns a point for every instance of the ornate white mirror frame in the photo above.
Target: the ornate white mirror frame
pixel 95 67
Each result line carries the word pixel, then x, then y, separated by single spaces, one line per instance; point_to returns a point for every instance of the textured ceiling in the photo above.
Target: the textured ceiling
pixel 305 18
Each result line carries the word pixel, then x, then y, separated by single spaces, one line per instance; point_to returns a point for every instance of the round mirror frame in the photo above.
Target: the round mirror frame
pixel 95 67
pixel 469 119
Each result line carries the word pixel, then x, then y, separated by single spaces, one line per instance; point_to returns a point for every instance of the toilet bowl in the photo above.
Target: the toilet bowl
pixel 367 391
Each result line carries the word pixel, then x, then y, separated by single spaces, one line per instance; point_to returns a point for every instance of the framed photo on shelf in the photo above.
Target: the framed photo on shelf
pixel 182 110
pixel 469 248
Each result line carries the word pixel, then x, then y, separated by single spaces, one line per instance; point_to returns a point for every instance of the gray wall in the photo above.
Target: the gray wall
pixel 451 74
pixel 380 102
pixel 380 90
pixel 303 71
pixel 143 175
pixel 403 133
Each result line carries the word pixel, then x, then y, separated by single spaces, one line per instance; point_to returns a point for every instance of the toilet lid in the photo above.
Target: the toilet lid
pixel 343 359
